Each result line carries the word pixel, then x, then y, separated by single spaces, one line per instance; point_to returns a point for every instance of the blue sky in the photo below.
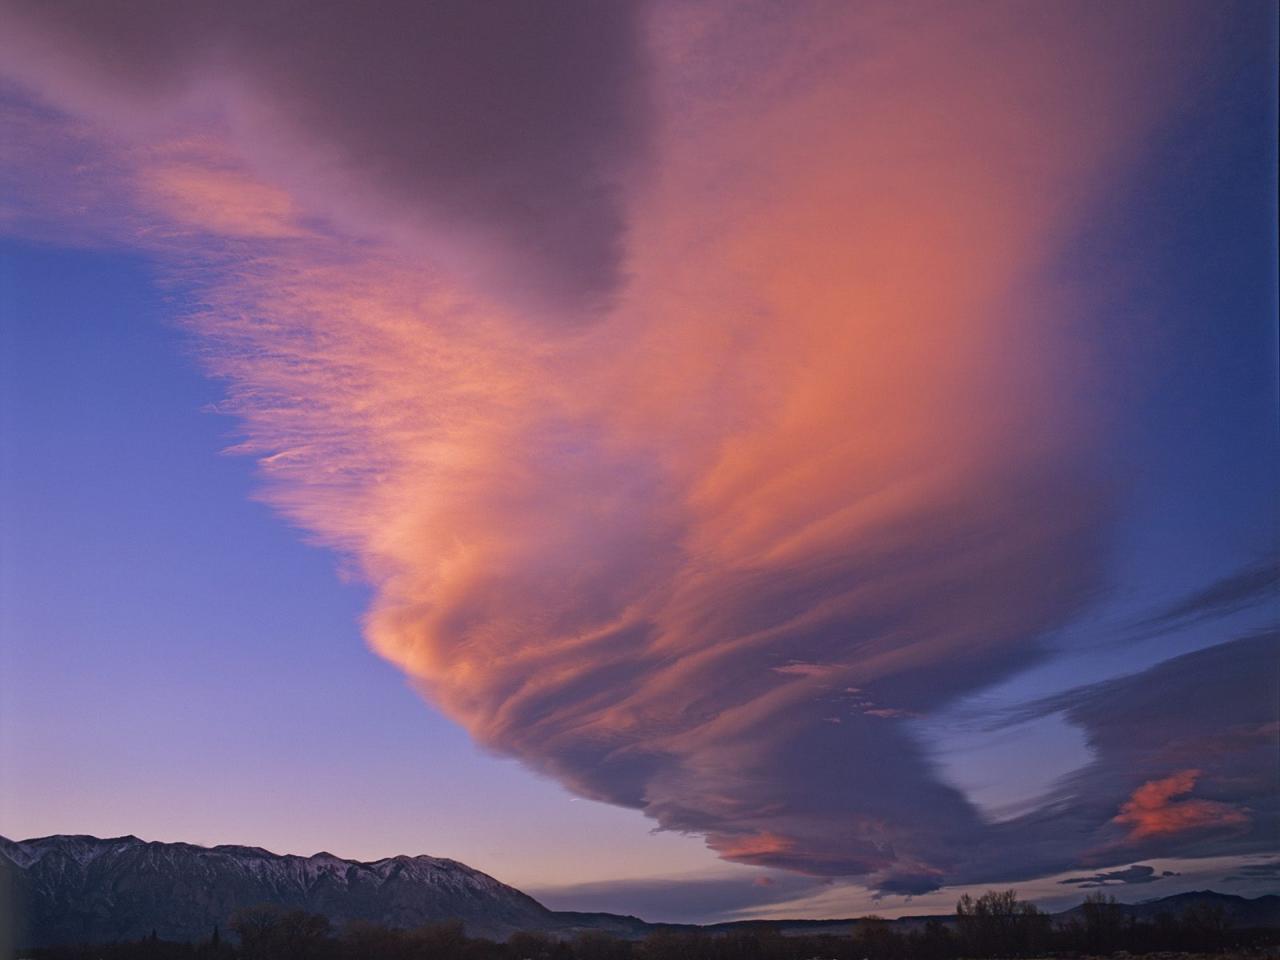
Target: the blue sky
pixel 179 664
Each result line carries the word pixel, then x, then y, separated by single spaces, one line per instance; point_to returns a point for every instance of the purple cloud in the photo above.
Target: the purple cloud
pixel 500 136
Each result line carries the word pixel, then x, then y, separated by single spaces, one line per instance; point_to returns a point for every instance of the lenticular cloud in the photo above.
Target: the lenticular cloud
pixel 803 461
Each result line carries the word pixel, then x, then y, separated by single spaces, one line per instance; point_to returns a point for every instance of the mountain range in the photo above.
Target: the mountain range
pixel 67 889
pixel 71 889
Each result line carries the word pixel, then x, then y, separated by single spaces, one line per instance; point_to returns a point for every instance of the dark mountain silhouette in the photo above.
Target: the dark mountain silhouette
pixel 81 889
pixel 1239 912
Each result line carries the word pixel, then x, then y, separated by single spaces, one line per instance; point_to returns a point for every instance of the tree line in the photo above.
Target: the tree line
pixel 996 924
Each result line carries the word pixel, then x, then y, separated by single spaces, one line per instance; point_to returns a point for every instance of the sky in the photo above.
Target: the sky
pixel 690 459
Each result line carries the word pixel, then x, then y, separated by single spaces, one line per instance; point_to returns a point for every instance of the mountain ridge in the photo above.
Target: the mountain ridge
pixel 78 887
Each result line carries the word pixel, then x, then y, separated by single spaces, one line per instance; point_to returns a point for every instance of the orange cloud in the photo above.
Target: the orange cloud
pixel 753 848
pixel 1154 811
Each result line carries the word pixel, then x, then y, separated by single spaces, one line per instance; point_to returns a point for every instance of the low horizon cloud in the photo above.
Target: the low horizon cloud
pixel 683 899
pixel 696 426
pixel 1137 873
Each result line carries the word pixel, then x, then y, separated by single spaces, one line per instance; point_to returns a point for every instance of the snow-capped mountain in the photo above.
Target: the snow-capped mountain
pixel 80 888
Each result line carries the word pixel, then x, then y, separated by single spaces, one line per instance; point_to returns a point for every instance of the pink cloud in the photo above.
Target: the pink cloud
pixel 1154 810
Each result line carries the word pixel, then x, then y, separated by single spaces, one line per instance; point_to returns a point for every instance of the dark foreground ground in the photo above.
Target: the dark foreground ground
pixel 995 925
pixel 280 936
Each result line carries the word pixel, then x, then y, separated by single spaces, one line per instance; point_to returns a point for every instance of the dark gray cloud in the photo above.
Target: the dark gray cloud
pixel 909 884
pixel 1252 872
pixel 1138 873
pixel 506 129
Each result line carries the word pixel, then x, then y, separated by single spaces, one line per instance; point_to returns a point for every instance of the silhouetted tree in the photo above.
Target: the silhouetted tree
pixel 934 941
pixel 1103 922
pixel 1204 927
pixel 271 933
pixel 534 946
pixel 998 924
pixel 594 945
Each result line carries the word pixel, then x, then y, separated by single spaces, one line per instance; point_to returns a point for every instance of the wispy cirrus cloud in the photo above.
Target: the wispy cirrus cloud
pixel 1254 872
pixel 1255 585
pixel 797 466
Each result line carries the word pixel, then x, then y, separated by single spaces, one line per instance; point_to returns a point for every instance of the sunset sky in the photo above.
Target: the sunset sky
pixel 685 458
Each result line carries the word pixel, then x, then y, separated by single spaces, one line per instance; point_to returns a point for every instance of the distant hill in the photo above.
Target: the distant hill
pixel 69 889
pixel 1239 911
